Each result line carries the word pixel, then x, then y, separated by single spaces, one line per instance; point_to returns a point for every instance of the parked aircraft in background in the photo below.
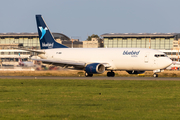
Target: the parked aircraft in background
pixel 174 66
pixel 26 64
pixel 98 60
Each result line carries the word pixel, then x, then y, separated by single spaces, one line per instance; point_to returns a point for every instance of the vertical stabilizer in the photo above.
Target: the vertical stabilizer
pixel 45 37
pixel 20 61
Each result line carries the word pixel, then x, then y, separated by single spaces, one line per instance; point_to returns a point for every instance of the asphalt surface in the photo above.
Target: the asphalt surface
pixel 89 78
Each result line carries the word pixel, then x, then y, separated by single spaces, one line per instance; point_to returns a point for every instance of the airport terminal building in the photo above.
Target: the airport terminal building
pixel 168 42
pixel 159 41
pixel 8 41
pixel 26 40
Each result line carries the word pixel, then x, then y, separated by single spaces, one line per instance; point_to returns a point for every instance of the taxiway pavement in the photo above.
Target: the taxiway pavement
pixel 89 78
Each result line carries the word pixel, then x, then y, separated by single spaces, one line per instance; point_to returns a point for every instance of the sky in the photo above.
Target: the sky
pixel 79 19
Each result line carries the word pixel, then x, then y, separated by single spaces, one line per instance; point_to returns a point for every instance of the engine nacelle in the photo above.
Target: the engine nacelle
pixel 135 72
pixel 95 68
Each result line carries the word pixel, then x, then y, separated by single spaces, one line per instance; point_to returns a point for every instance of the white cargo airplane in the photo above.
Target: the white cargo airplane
pixel 98 60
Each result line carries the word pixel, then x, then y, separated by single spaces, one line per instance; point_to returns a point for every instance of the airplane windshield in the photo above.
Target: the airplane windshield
pixel 159 55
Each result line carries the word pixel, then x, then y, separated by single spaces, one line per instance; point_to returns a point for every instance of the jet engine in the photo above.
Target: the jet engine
pixel 95 68
pixel 135 72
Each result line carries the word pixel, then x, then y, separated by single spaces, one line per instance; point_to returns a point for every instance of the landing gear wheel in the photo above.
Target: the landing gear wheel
pixel 88 74
pixel 110 74
pixel 155 75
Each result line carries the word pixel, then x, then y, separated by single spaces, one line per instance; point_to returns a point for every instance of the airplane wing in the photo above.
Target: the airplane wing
pixel 66 63
pixel 62 62
pixel 30 50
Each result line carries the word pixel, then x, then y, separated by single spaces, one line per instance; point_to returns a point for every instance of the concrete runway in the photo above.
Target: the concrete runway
pixel 89 78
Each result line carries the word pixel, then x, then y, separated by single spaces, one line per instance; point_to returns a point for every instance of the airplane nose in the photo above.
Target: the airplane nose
pixel 169 62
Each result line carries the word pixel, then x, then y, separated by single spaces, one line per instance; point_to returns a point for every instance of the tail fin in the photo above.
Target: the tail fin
pixel 46 39
pixel 20 61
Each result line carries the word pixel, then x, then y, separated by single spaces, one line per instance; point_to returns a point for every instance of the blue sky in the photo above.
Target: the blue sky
pixel 80 18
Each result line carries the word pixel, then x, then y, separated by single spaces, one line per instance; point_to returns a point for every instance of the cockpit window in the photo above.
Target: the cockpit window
pixel 163 55
pixel 159 55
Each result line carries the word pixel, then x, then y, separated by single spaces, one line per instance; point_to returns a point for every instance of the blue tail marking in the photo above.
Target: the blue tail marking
pixel 46 39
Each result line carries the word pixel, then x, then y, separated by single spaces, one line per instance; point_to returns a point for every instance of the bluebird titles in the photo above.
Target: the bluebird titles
pixel 132 53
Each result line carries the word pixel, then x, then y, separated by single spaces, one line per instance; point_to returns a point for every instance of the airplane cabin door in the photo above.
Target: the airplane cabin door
pixel 146 57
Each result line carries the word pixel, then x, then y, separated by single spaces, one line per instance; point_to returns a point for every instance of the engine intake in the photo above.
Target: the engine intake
pixel 95 68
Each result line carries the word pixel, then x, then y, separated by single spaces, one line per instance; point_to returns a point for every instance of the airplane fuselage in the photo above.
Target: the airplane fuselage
pixel 118 58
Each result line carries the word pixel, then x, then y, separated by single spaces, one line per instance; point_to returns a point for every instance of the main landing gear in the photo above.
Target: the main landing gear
pixel 88 74
pixel 110 74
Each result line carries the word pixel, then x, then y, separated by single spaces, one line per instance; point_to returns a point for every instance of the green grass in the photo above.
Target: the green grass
pixel 89 99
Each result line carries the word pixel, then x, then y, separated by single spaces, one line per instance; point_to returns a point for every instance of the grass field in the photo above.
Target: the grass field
pixel 89 99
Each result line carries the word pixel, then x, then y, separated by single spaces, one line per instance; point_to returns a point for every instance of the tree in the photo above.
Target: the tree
pixel 92 36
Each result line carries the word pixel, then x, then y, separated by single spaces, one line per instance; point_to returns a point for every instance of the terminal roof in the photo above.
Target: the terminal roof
pixel 140 34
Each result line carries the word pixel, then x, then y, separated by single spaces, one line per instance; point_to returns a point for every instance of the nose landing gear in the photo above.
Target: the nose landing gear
pixel 155 75
pixel 156 71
